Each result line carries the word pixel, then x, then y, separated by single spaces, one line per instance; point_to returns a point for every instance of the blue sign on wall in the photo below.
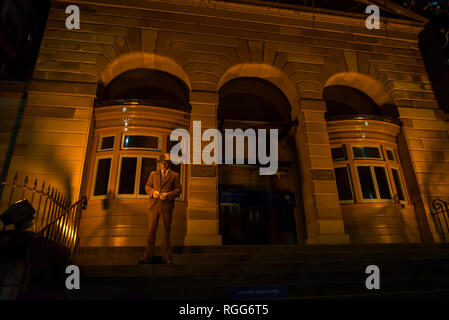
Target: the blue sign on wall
pixel 259 292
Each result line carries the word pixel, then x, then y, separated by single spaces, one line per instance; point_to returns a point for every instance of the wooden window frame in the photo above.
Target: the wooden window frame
pixel 376 185
pixel 158 136
pixel 346 165
pixel 345 149
pixel 394 155
pixel 116 155
pixel 94 178
pixel 382 158
pixel 401 181
pixel 139 171
pixel 100 140
pixel 136 194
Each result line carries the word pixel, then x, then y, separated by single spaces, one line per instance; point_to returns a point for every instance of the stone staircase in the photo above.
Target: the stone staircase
pixel 411 271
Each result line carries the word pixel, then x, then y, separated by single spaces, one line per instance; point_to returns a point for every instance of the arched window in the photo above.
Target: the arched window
pixel 145 86
pixel 364 148
pixel 134 117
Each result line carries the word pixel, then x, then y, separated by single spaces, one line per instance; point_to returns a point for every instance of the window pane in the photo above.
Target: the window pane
pixel 366 152
pixel 343 183
pixel 366 182
pixel 382 182
pixel 338 153
pixel 390 155
pixel 102 178
pixel 107 143
pixel 397 183
pixel 147 142
pixel 127 175
pixel 170 144
pixel 148 165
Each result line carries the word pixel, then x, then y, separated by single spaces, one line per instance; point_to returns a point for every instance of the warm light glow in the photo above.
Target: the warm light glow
pixel 66 230
pixel 124 109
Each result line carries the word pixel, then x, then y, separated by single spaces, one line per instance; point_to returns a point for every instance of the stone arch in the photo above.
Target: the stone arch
pixel 369 86
pixel 142 60
pixel 266 72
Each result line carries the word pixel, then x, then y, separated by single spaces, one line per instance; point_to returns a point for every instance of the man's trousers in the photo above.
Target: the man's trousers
pixel 158 211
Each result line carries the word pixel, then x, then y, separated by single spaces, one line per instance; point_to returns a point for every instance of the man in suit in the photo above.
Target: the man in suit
pixel 163 186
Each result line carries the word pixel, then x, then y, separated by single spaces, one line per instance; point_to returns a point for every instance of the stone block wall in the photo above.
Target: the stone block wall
pixel 211 42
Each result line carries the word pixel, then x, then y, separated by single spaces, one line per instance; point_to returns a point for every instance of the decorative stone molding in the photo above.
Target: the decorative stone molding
pixel 371 87
pixel 140 115
pixel 263 71
pixel 143 60
pixel 362 129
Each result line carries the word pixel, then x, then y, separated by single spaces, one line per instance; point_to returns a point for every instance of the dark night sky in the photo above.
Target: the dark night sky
pixel 23 25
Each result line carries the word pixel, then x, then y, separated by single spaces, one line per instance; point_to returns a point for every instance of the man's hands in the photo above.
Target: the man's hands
pixel 163 196
pixel 157 194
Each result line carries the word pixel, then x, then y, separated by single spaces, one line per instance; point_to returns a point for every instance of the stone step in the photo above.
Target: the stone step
pixel 353 248
pixel 130 255
pixel 259 268
pixel 260 258
pixel 437 275
pixel 299 284
pixel 223 272
pixel 320 289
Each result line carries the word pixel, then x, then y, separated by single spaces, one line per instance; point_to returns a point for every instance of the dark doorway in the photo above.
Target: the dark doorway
pixel 257 217
pixel 255 208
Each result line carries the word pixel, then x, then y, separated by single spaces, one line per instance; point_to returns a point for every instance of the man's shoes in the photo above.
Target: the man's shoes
pixel 145 261
pixel 155 260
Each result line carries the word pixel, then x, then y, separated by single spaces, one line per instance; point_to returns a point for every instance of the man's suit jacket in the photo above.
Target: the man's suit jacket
pixel 170 185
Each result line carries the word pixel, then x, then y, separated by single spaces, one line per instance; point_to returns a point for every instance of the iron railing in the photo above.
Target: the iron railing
pixel 54 232
pixel 440 216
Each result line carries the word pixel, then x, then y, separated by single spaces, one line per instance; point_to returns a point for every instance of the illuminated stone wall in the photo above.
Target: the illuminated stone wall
pixel 214 41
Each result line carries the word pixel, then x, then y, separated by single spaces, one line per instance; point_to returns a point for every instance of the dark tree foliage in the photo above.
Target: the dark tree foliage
pixel 22 24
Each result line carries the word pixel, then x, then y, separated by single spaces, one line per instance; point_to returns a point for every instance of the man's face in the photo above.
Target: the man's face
pixel 164 164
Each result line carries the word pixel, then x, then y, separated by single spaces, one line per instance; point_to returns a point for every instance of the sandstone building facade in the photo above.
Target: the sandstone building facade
pixel 363 146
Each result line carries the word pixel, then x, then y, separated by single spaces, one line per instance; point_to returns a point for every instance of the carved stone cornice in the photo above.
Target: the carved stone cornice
pixel 362 129
pixel 140 115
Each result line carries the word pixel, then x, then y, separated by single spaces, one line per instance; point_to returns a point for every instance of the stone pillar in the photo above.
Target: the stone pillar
pixel 202 181
pixel 423 146
pixel 324 220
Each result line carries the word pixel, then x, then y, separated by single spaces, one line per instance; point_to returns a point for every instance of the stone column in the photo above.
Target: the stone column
pixel 202 181
pixel 324 221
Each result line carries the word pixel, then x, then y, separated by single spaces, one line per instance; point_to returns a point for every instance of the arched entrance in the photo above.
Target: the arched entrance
pixel 134 115
pixel 254 208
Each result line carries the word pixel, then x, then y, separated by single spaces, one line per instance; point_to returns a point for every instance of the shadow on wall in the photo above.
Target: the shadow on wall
pixel 46 164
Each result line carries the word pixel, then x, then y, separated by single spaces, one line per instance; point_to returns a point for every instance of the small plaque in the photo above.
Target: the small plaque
pixel 323 174
pixel 197 170
pixel 259 292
